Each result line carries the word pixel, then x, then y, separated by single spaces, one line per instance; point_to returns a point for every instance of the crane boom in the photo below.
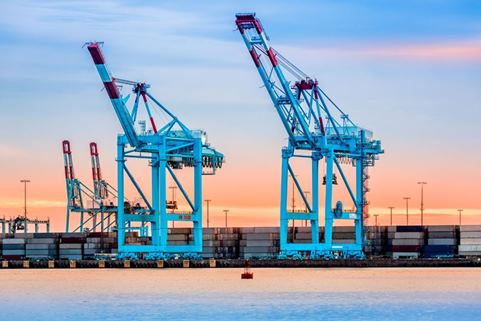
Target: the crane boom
pixel 116 99
pixel 287 105
pixel 100 185
pixel 68 161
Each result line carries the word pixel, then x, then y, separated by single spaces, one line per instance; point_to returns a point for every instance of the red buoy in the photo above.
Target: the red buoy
pixel 247 272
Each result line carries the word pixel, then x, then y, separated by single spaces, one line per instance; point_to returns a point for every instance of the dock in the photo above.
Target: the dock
pixel 448 245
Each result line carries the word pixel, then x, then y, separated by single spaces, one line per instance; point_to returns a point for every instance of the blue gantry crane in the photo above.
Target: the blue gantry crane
pixel 167 146
pixel 317 129
pixel 94 206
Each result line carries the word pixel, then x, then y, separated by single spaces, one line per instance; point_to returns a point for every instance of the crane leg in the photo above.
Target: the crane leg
pixel 359 206
pixel 81 222
pixel 67 221
pixel 198 196
pixel 158 215
pixel 162 201
pixel 315 200
pixel 284 223
pixel 329 219
pixel 121 198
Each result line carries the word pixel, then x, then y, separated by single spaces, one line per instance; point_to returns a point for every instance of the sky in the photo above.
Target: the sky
pixel 408 70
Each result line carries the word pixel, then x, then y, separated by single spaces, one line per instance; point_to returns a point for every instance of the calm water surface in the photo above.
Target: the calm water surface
pixel 220 294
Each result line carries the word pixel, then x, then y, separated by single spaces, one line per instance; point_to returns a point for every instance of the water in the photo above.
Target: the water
pixel 220 294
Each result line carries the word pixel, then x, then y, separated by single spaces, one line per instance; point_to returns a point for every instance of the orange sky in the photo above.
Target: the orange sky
pixel 251 194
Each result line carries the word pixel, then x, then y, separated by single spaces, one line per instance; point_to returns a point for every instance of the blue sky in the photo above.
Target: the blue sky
pixel 408 70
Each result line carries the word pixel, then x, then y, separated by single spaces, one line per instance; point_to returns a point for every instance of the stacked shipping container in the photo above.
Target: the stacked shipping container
pixel 442 241
pixel 13 248
pixel 250 242
pixel 71 246
pixel 470 240
pixel 407 242
pixel 220 243
pixel 259 242
pixel 42 246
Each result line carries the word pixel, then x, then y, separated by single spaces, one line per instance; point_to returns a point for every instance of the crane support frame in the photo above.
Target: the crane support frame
pixel 314 124
pixel 167 147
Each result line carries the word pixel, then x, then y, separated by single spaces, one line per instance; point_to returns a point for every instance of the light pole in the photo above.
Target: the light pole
pixel 391 208
pixel 422 201
pixel 225 213
pixel 25 181
pixel 460 211
pixel 208 203
pixel 407 209
pixel 375 219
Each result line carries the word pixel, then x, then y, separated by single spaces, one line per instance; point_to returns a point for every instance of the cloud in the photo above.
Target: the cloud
pixel 10 152
pixel 427 211
pixel 451 51
pixel 32 203
pixel 439 51
pixel 65 21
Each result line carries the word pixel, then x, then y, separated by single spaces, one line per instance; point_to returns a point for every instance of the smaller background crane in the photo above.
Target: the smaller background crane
pixel 95 207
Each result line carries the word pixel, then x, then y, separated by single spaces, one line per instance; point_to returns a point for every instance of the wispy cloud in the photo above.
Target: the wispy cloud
pixel 56 22
pixel 34 203
pixel 11 152
pixel 435 51
pixel 432 211
pixel 452 51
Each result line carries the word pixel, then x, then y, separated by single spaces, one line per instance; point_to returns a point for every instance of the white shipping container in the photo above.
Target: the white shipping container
pixel 470 228
pixel 442 242
pixel 259 243
pixel 400 255
pixel 40 252
pixel 442 228
pixel 469 253
pixel 409 235
pixel 70 246
pixel 470 248
pixel 40 246
pixel 408 242
pixel 70 251
pixel 42 241
pixel 209 237
pixel 13 252
pixel 260 236
pixel 470 241
pixel 266 230
pixel 14 241
pixel 211 243
pixel 344 241
pixel 177 237
pixel 470 235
